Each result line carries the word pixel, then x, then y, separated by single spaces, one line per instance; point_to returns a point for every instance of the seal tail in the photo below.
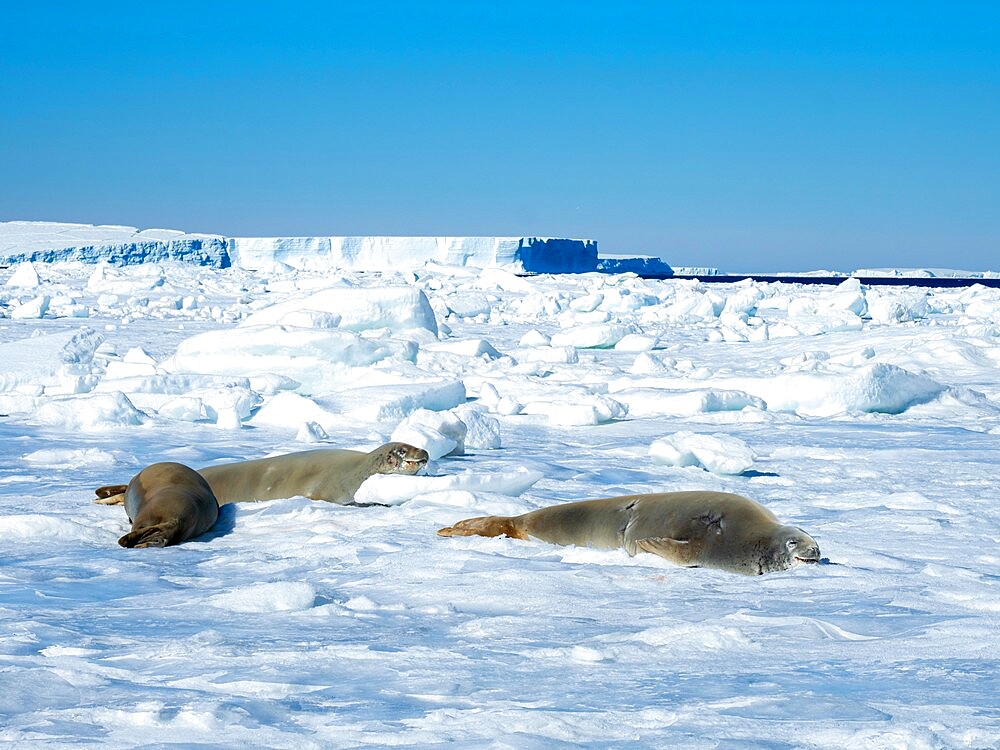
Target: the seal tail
pixel 159 535
pixel 486 526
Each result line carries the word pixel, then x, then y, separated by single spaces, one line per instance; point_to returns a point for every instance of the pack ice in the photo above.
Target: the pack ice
pixel 868 416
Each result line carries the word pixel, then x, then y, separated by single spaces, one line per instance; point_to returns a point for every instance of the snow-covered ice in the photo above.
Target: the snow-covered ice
pixel 721 454
pixel 868 416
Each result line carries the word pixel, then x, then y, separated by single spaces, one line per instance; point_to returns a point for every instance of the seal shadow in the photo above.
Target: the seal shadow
pixel 224 524
pixel 750 473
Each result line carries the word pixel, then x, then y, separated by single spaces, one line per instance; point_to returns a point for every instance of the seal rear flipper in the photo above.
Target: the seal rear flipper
pixel 111 494
pixel 159 535
pixel 484 526
pixel 677 551
pixel 110 489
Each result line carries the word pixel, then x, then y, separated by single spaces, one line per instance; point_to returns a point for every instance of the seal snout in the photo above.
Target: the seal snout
pixel 401 458
pixel 808 555
pixel 415 462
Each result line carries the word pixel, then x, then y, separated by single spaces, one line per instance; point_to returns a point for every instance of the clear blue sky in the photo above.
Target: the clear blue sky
pixel 743 135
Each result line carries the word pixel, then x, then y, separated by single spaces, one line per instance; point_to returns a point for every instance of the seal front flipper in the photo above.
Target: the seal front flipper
pixel 159 535
pixel 111 494
pixel 675 550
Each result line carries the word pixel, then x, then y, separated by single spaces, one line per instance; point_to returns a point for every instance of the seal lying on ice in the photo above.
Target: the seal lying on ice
pixel 168 503
pixel 329 474
pixel 694 529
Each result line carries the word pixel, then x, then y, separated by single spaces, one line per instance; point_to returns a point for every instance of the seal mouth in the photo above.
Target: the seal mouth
pixel 808 554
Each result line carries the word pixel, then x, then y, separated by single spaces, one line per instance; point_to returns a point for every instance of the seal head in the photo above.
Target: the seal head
pixel 792 547
pixel 401 458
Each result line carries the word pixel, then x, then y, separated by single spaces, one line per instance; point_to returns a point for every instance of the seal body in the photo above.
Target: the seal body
pixel 694 529
pixel 327 474
pixel 168 503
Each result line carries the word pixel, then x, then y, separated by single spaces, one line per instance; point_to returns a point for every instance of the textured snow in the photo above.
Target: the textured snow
pixel 869 417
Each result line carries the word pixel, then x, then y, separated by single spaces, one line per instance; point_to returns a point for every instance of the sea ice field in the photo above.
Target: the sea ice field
pixel 868 416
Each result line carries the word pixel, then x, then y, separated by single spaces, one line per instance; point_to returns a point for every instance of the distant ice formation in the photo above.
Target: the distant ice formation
pixel 45 241
pixel 644 265
pixel 36 241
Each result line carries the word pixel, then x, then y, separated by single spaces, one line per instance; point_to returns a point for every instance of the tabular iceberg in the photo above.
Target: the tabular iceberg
pixel 22 241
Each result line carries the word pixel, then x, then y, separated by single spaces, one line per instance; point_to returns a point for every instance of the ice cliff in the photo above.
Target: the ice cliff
pixel 22 241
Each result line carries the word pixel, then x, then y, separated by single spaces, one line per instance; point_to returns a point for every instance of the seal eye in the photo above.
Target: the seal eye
pixel 791 544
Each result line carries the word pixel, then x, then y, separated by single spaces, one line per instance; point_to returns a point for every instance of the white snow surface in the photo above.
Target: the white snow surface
pixel 868 417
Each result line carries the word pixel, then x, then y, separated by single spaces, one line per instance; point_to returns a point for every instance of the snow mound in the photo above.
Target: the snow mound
pixel 634 342
pixel 589 409
pixel 315 358
pixel 285 596
pixel 482 432
pixel 881 387
pixel 449 432
pixel 395 308
pixel 391 402
pixel 395 403
pixel 291 410
pixel 311 432
pixel 25 276
pixel 393 489
pixel 464 348
pixel 648 402
pixel 719 454
pixel 55 360
pixel 555 355
pixel 96 412
pixel 591 336
pixel 820 390
pixel 438 433
pixel 32 526
pixel 897 305
pixel 33 309
pixel 90 457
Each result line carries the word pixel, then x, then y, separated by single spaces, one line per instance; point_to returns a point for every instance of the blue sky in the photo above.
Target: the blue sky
pixel 741 135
